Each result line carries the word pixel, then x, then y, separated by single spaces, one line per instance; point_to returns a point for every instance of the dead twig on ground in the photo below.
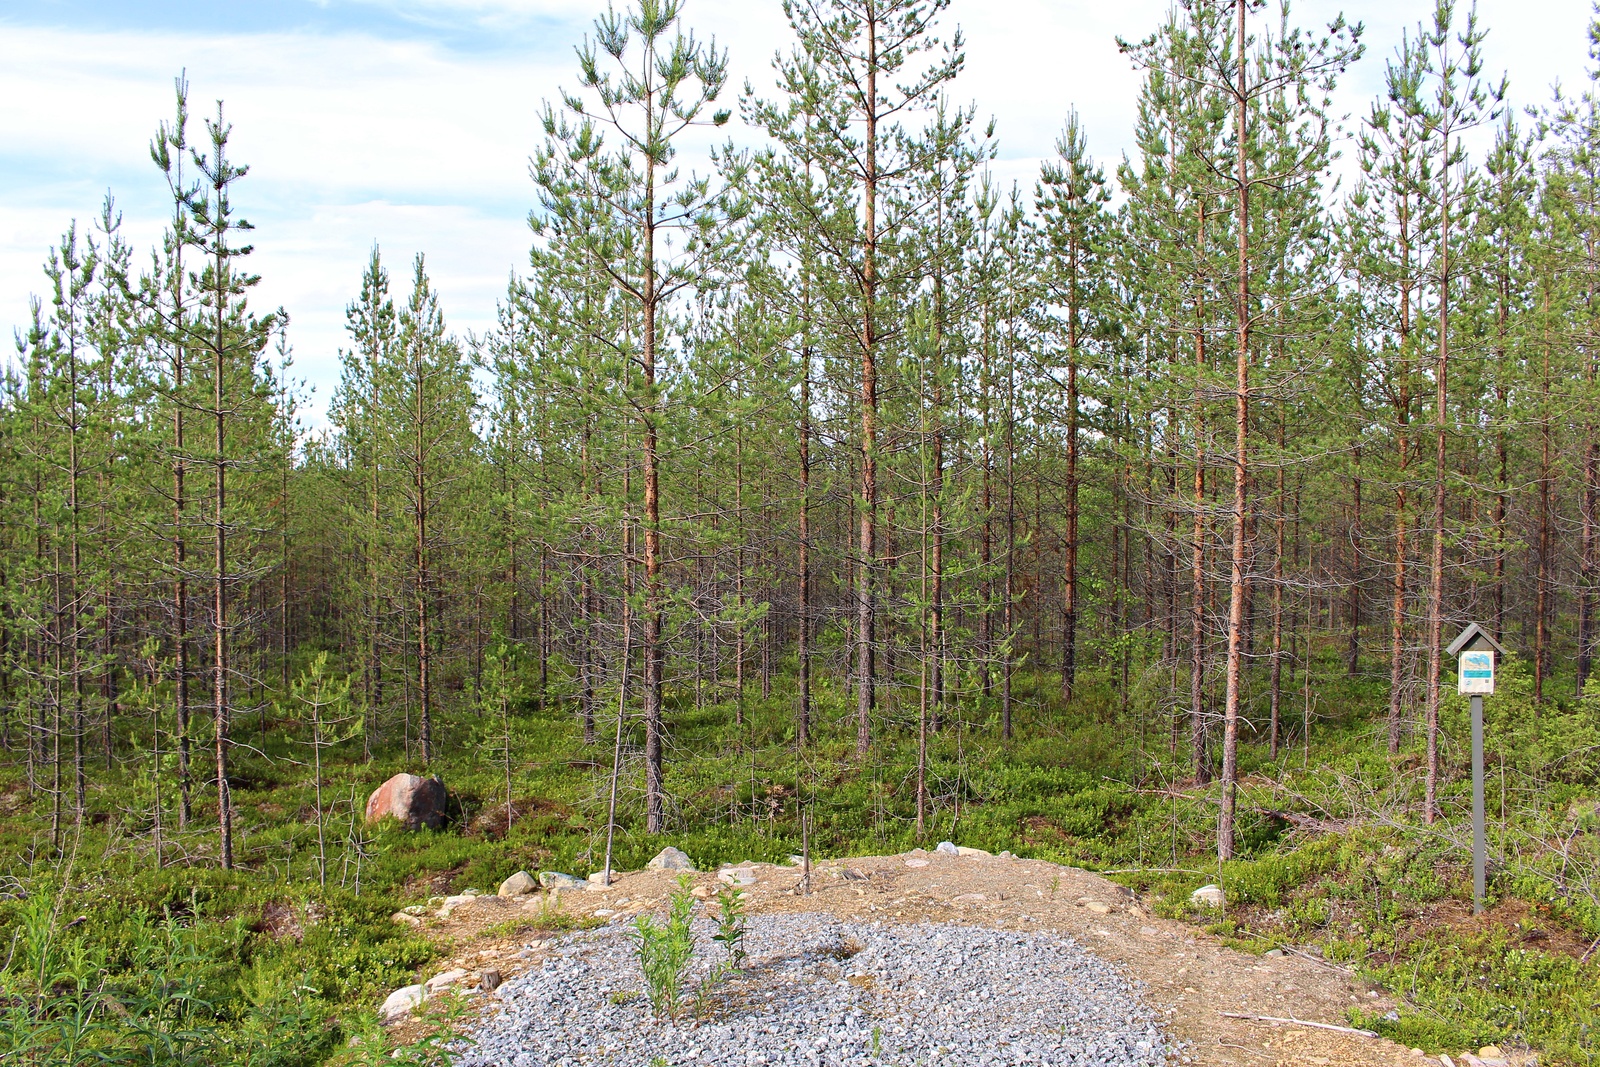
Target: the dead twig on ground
pixel 1297 1022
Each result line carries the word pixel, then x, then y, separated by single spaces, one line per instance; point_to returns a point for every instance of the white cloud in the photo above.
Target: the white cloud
pixel 354 138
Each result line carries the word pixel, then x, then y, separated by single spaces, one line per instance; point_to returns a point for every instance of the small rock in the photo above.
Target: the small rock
pixel 851 874
pixel 736 876
pixel 948 848
pixel 916 863
pixel 444 981
pixel 597 880
pixel 489 980
pixel 1491 1052
pixel 671 859
pixel 1418 1052
pixel 969 898
pixel 1209 896
pixel 797 861
pixel 518 885
pixel 701 892
pixel 403 919
pixel 560 880
pixel 401 1001
pixel 416 909
pixel 602 913
pixel 1273 953
pixel 1006 855
pixel 963 850
pixel 1446 1060
pixel 1097 907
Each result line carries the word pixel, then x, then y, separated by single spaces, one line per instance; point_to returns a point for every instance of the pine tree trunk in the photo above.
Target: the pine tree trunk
pixel 1237 585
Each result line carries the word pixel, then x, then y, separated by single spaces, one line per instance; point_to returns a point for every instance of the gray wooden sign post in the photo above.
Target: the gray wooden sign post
pixel 1476 652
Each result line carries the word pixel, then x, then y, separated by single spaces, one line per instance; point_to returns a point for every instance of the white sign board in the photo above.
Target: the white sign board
pixel 1477 674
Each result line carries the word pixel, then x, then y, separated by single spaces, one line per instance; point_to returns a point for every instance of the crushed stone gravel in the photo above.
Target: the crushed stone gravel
pixel 817 992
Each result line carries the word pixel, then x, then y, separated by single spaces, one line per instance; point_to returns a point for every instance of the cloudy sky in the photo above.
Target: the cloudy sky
pixel 409 122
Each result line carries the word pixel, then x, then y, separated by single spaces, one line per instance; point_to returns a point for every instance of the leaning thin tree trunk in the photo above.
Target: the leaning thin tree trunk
pixel 1441 440
pixel 420 488
pixel 219 677
pixel 655 814
pixel 803 639
pixel 1069 550
pixel 1197 595
pixel 869 408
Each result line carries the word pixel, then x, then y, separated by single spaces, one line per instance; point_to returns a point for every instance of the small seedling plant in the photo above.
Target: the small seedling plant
pixel 666 950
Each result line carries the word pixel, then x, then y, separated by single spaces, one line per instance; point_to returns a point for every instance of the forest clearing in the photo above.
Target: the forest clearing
pixel 815 504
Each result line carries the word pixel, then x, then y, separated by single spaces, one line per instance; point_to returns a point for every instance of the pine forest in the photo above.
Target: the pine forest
pixel 824 497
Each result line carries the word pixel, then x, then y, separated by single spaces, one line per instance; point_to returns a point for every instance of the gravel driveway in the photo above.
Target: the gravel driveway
pixel 819 991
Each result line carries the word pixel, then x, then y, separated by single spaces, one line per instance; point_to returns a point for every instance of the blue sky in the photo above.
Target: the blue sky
pixel 409 122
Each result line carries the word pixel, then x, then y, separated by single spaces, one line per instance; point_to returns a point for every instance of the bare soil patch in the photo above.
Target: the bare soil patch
pixel 1189 977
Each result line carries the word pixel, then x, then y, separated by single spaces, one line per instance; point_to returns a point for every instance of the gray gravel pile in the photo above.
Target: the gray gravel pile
pixel 817 992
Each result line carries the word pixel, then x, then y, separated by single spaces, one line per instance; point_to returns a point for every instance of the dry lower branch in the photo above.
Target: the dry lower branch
pixel 1297 1022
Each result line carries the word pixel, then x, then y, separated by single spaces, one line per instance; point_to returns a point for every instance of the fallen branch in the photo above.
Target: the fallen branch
pixel 1318 960
pixel 1297 1022
pixel 1308 822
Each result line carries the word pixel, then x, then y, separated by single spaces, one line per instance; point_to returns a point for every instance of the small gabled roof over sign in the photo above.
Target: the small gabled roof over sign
pixel 1475 639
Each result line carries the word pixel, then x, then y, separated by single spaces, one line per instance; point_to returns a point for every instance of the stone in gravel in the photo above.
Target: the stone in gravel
pixel 736 876
pixel 1273 954
pixel 597 880
pixel 403 919
pixel 559 880
pixel 851 874
pixel 489 980
pixel 458 901
pixel 948 848
pixel 963 850
pixel 1098 907
pixel 1209 896
pixel 518 885
pixel 671 859
pixel 444 980
pixel 401 1001
pixel 916 863
pixel 969 898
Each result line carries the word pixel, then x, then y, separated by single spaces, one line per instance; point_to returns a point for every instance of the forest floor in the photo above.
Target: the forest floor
pixel 1189 978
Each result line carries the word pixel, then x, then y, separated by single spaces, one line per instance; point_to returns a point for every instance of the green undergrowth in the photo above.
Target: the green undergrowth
pixel 110 959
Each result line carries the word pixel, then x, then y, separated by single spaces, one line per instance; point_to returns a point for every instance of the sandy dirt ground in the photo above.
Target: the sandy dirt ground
pixel 1187 976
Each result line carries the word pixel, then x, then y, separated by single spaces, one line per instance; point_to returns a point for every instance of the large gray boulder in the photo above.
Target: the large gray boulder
pixel 561 880
pixel 518 885
pixel 413 800
pixel 671 859
pixel 401 1001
